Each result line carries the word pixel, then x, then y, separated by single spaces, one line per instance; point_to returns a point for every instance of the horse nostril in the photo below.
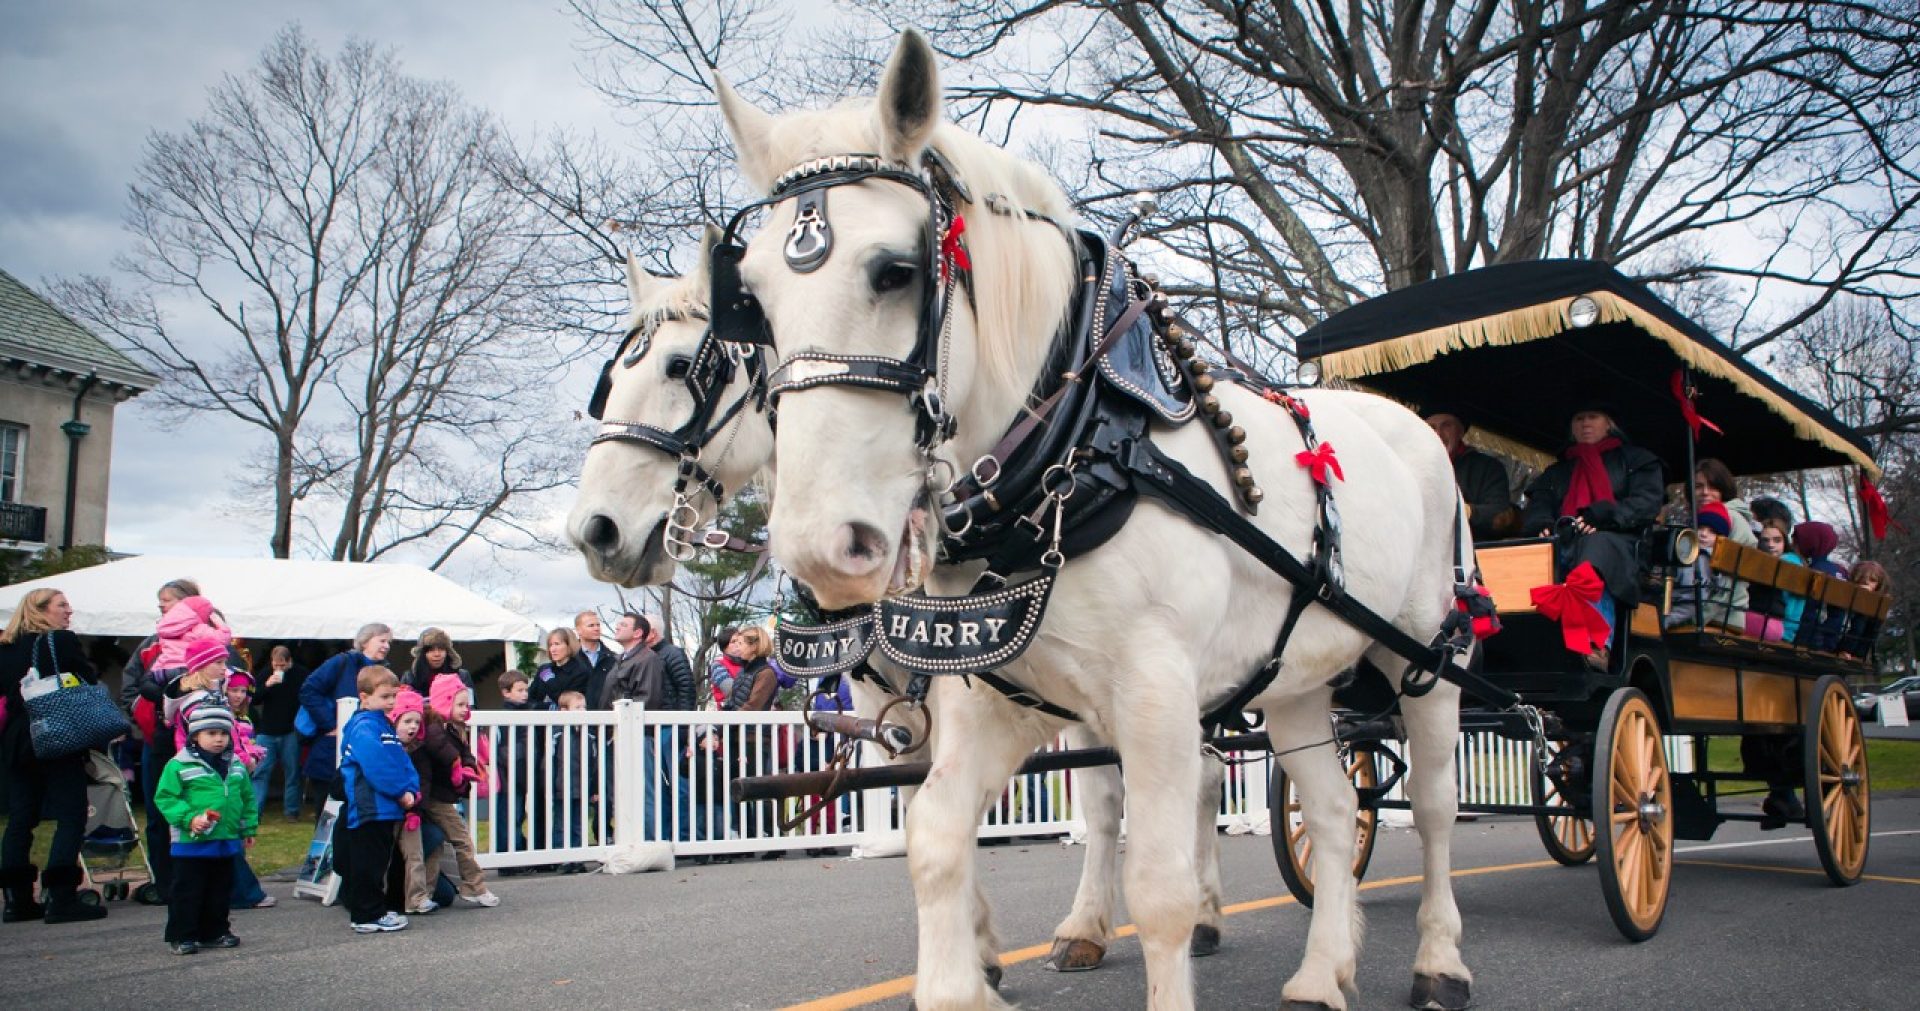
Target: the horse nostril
pixel 865 542
pixel 601 533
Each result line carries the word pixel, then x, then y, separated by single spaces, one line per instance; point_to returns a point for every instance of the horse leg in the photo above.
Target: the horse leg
pixel 1206 933
pixel 1328 807
pixel 1440 977
pixel 1161 776
pixel 974 754
pixel 1080 941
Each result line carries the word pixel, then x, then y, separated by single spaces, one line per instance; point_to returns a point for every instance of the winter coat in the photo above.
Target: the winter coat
pixel 549 682
pixel 189 787
pixel 16 658
pixel 375 770
pixel 1483 487
pixel 678 676
pixel 181 625
pixel 332 681
pixel 446 749
pixel 1724 597
pixel 638 676
pixel 1639 491
pixel 420 676
pixel 721 671
pixel 600 668
pixel 765 683
pixel 275 705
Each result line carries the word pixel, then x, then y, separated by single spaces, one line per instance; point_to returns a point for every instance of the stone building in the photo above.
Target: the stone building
pixel 59 385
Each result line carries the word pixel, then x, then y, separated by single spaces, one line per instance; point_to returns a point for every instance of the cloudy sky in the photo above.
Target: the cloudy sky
pixel 83 83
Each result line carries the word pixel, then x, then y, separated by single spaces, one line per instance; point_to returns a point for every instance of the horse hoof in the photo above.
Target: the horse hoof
pixel 1075 955
pixel 994 975
pixel 1304 1005
pixel 1440 993
pixel 1206 940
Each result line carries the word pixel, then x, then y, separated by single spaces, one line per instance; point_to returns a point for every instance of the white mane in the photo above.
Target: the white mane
pixel 1023 283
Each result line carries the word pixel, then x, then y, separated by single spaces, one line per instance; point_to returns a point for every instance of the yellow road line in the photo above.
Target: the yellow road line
pixel 902 986
pixel 1791 870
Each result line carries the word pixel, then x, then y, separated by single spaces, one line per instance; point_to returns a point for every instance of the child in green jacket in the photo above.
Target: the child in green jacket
pixel 206 796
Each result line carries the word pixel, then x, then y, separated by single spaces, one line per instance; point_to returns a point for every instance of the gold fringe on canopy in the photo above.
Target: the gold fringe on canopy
pixel 1535 322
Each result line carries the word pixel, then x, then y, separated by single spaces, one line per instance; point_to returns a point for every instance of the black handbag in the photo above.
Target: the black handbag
pixel 65 714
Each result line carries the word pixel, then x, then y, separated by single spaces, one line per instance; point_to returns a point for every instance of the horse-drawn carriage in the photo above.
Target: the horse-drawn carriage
pixel 1510 349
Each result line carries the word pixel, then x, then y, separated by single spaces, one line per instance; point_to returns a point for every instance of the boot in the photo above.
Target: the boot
pixel 18 882
pixel 64 905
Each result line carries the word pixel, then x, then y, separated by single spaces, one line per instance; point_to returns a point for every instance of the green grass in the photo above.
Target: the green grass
pixel 280 845
pixel 1891 765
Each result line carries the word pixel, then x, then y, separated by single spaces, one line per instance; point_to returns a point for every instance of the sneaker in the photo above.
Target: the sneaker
pixel 425 908
pixel 387 923
pixel 184 948
pixel 266 903
pixel 223 941
pixel 487 899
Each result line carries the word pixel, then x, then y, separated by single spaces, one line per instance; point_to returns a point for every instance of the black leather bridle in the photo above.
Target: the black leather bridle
pixel 739 318
pixel 710 371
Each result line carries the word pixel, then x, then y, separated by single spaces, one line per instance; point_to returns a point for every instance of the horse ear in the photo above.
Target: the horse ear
pixel 642 285
pixel 750 128
pixel 709 237
pixel 908 104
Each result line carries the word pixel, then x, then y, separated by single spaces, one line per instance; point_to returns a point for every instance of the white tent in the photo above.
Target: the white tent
pixel 272 598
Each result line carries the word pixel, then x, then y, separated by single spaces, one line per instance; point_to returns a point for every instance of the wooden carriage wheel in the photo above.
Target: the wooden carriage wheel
pixel 1838 805
pixel 1632 793
pixel 1293 851
pixel 1568 838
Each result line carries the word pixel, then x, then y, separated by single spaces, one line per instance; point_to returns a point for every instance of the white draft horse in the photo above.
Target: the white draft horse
pixel 619 524
pixel 1145 632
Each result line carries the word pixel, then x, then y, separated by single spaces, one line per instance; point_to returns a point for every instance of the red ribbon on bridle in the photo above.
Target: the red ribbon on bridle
pixel 1687 411
pixel 1875 506
pixel 1573 604
pixel 951 251
pixel 1320 463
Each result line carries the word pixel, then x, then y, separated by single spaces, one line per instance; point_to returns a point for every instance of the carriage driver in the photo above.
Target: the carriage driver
pixel 1482 480
pixel 1595 502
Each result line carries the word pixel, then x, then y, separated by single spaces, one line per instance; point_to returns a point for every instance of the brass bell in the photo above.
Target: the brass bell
pixel 1211 405
pixel 1199 366
pixel 1238 454
pixel 1236 435
pixel 1252 495
pixel 1203 383
pixel 1183 350
pixel 1243 477
pixel 1223 419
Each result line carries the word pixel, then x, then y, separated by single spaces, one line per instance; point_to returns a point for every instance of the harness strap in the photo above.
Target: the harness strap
pixel 1024 697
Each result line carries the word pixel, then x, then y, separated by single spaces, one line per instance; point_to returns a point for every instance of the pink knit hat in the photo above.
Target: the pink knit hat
pixel 445 690
pixel 408 701
pixel 202 652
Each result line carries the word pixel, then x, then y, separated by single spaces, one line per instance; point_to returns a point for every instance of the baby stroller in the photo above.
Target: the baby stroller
pixel 113 854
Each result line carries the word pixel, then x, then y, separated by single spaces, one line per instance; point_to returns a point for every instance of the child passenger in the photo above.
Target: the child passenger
pixel 1702 595
pixel 207 799
pixel 379 787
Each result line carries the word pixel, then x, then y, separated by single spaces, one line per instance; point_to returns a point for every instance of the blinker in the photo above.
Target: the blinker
pixel 736 315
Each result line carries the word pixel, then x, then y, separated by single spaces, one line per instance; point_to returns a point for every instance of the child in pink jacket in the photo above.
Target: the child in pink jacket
pixel 187 622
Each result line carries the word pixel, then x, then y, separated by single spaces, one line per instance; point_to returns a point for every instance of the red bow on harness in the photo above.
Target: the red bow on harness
pixel 1291 403
pixel 951 251
pixel 1320 462
pixel 1685 397
pixel 1875 506
pixel 1572 604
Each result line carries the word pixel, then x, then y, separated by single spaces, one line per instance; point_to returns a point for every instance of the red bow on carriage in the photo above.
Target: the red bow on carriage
pixel 1574 605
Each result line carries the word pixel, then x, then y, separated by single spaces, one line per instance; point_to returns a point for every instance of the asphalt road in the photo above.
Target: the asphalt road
pixel 1752 923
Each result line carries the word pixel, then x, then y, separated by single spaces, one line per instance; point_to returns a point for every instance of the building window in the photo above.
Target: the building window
pixel 13 456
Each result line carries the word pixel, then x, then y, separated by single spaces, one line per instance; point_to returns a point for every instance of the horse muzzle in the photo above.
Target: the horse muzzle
pixel 614 553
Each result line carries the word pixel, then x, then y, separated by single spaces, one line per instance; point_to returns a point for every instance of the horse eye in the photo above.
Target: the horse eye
pixel 894 276
pixel 678 366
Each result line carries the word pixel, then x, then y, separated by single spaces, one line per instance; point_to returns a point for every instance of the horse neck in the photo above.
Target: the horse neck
pixel 999 396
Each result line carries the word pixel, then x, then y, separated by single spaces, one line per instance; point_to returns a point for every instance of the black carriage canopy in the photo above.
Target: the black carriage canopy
pixel 1499 346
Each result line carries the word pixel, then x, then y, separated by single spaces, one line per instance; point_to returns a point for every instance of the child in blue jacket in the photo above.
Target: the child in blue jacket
pixel 380 786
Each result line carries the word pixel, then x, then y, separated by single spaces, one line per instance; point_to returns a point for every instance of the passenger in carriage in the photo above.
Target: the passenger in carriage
pixel 1482 480
pixel 1713 482
pixel 1771 510
pixel 1773 614
pixel 1857 640
pixel 1701 594
pixel 1608 491
pixel 1814 541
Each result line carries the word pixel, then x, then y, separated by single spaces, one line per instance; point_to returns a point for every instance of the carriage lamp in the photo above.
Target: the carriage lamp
pixel 1307 373
pixel 1583 311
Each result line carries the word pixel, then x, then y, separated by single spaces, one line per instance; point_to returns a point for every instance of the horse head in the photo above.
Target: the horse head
pixel 681 426
pixel 911 277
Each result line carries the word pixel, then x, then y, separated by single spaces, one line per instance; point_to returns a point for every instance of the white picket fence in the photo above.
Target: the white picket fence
pixel 574 786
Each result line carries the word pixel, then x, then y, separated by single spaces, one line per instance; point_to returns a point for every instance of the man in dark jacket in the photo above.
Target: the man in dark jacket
pixel 335 680
pixel 274 707
pixel 598 658
pixel 678 673
pixel 1482 480
pixel 638 674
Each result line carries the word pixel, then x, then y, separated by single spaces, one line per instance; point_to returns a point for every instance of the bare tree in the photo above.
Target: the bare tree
pixel 329 256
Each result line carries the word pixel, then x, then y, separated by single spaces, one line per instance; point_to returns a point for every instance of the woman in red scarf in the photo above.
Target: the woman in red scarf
pixel 1610 491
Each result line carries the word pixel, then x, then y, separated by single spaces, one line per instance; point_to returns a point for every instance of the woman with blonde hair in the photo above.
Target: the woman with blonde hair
pixel 37 636
pixel 565 670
